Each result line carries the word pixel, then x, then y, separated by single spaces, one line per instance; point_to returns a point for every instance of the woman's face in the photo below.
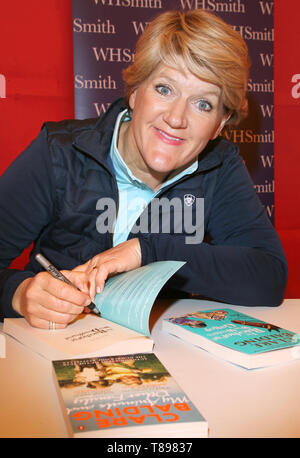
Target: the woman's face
pixel 175 114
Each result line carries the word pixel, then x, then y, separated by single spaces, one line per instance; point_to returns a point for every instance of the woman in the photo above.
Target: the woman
pixel 187 83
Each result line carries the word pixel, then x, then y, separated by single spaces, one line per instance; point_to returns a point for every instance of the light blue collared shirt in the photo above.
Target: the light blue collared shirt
pixel 134 194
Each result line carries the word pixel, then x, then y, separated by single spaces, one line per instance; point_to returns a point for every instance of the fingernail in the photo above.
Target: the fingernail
pixel 98 289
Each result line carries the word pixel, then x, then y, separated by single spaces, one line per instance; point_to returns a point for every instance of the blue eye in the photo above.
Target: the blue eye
pixel 203 105
pixel 163 89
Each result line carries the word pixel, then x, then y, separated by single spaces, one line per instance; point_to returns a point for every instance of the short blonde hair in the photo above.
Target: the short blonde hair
pixel 211 49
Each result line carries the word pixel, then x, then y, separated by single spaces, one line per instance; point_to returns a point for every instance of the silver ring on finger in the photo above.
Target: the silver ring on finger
pixel 52 325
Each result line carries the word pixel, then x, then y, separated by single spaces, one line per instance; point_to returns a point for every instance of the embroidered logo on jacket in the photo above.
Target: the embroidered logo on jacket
pixel 189 199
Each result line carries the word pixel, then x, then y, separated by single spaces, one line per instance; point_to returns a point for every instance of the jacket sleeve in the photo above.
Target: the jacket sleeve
pixel 26 207
pixel 244 262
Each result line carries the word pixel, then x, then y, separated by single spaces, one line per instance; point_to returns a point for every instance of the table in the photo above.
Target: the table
pixel 236 402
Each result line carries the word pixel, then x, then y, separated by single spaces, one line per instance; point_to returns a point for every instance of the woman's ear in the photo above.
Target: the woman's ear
pixel 132 99
pixel 222 124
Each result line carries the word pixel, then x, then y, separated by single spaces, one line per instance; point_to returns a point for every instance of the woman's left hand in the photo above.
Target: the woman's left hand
pixel 121 258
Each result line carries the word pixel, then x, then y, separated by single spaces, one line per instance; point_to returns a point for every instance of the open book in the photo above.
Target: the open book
pixel 125 305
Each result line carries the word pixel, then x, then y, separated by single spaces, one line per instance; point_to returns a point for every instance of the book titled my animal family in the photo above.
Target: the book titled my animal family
pixel 125 306
pixel 125 396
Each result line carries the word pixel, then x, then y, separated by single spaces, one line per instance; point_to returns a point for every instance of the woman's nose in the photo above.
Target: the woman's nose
pixel 176 114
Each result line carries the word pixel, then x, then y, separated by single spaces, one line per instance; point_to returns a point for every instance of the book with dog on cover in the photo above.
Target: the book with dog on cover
pixel 124 396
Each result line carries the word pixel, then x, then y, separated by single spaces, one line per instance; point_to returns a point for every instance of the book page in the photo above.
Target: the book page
pixel 87 335
pixel 127 298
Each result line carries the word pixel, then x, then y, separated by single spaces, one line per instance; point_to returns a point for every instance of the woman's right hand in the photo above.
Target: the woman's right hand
pixel 42 299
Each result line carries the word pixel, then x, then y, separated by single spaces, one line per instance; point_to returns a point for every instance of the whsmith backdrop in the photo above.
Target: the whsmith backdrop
pixel 104 38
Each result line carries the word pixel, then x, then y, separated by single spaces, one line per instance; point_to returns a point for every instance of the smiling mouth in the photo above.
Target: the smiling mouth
pixel 169 138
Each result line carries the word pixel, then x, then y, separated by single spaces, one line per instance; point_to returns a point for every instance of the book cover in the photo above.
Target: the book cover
pixel 125 305
pixel 235 336
pixel 125 396
pixel 127 298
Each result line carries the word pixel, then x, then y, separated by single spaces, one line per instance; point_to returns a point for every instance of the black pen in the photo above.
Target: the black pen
pixel 57 274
